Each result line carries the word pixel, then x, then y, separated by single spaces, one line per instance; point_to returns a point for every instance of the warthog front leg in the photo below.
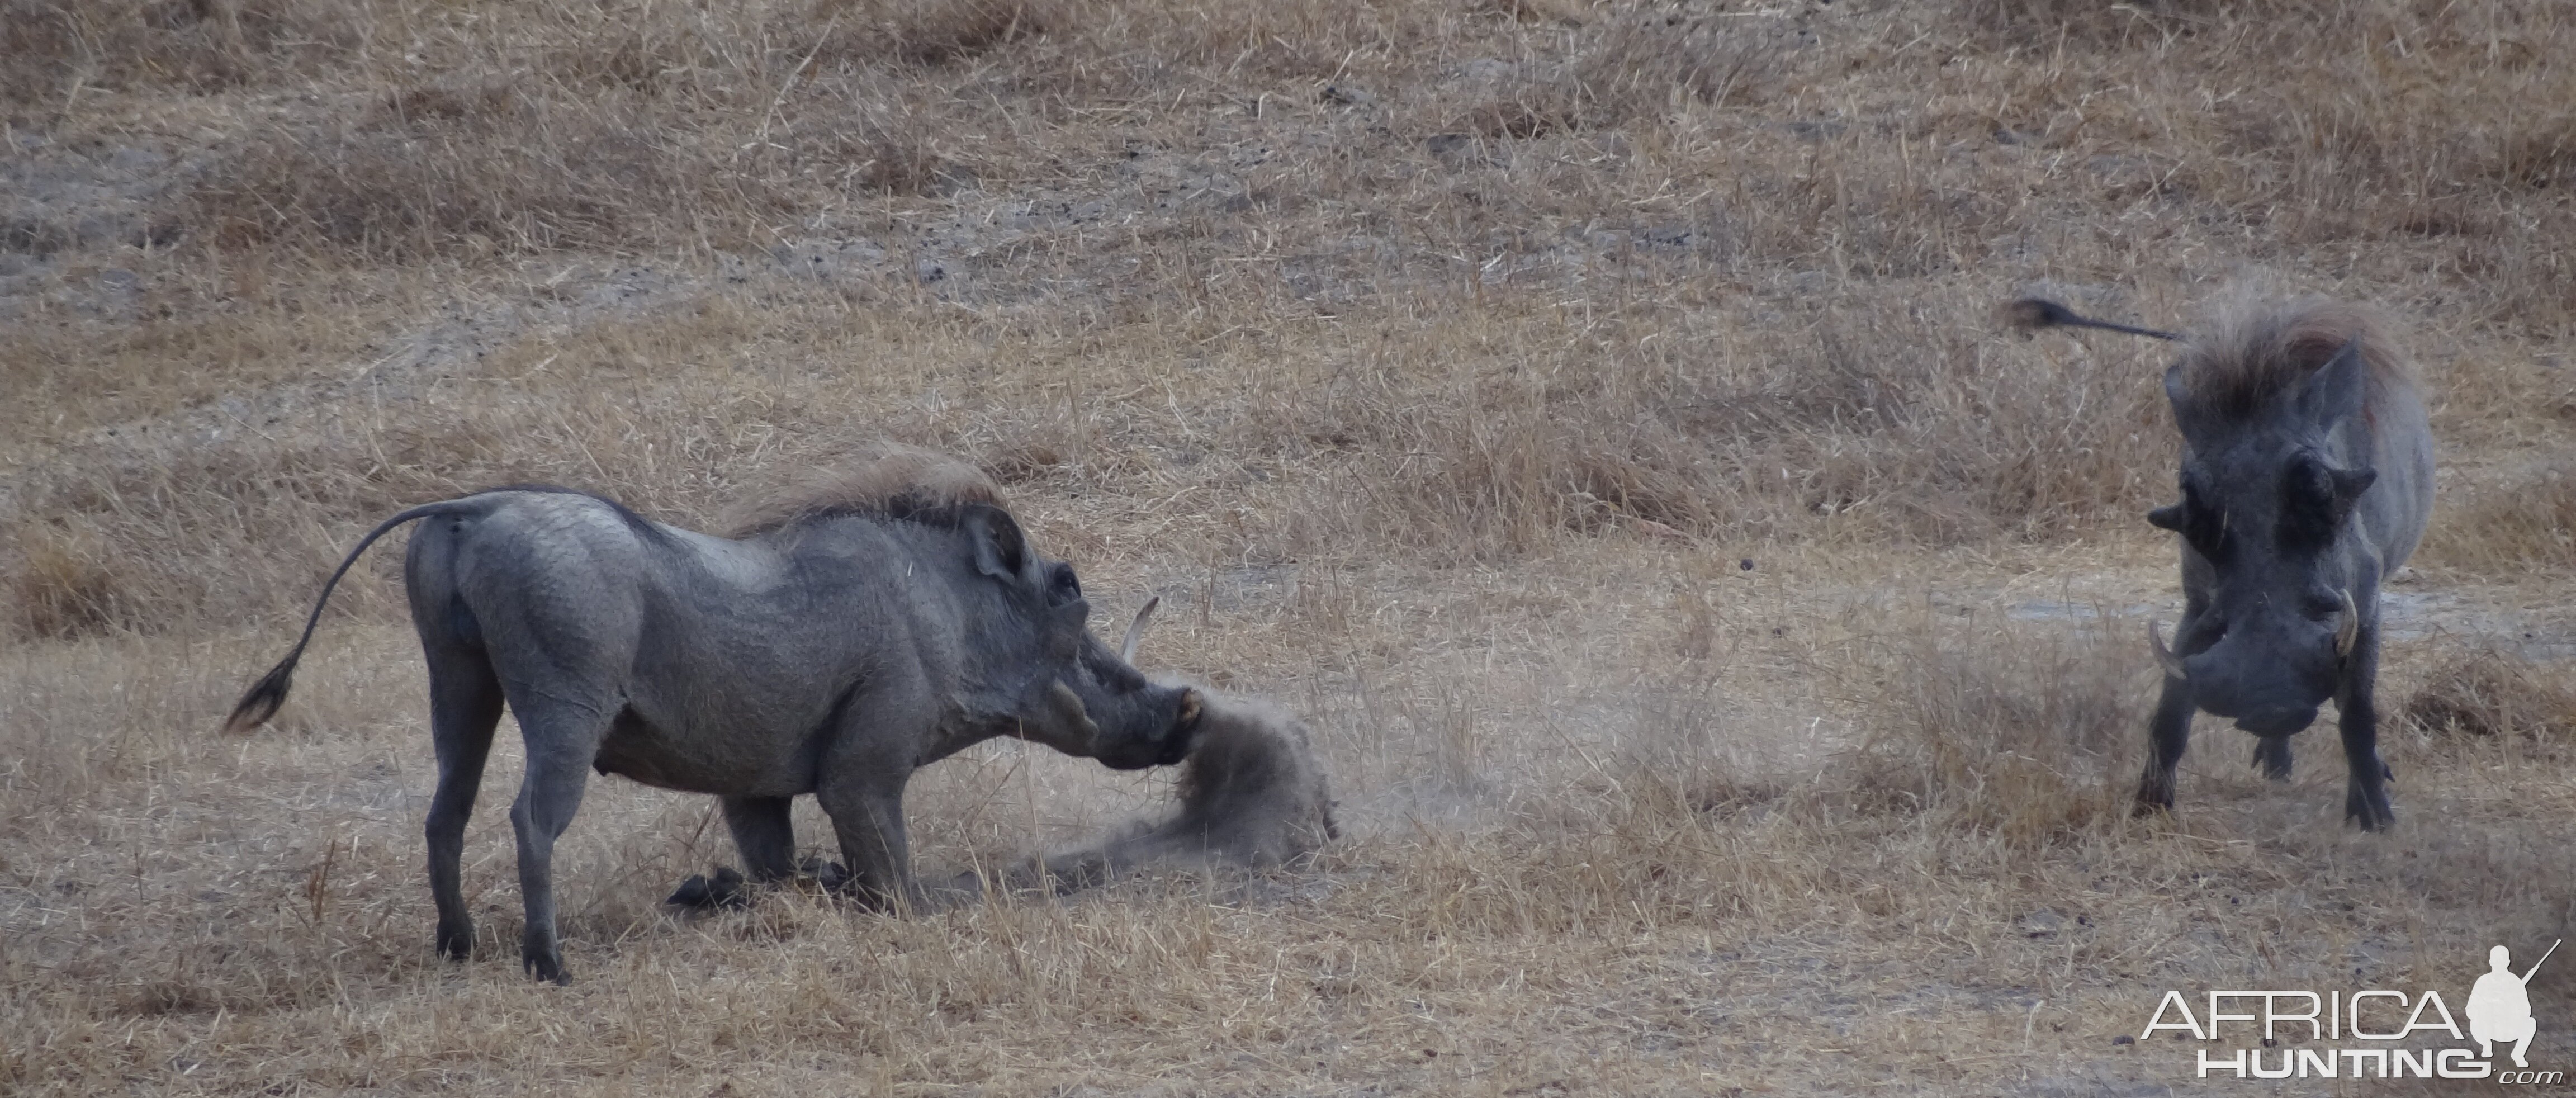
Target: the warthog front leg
pixel 764 833
pixel 867 815
pixel 2366 795
pixel 464 707
pixel 2168 734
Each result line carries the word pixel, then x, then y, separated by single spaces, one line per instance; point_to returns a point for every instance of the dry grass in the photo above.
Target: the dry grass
pixel 2526 522
pixel 2495 692
pixel 1586 417
pixel 2015 739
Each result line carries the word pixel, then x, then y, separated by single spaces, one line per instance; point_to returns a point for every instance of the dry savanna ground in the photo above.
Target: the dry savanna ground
pixel 1725 640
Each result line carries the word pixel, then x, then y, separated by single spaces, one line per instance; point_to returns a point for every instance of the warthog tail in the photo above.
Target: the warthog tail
pixel 2040 312
pixel 260 702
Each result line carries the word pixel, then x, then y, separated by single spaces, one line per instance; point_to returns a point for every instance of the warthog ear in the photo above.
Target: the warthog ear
pixel 2168 518
pixel 1001 551
pixel 2178 395
pixel 2335 392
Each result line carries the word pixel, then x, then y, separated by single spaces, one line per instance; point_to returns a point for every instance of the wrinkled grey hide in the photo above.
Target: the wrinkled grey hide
pixel 831 655
pixel 2307 476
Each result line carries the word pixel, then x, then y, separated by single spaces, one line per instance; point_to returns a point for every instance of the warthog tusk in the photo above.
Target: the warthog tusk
pixel 1136 629
pixel 2164 656
pixel 2348 630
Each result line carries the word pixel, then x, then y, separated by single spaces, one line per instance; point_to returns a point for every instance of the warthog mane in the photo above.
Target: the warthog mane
pixel 874 478
pixel 2252 351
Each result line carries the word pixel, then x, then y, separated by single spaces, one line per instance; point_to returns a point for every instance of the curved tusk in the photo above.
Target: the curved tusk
pixel 2164 656
pixel 1136 629
pixel 2348 630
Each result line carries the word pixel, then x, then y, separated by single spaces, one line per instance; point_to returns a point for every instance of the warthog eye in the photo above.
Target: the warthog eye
pixel 2313 504
pixel 2200 523
pixel 1065 586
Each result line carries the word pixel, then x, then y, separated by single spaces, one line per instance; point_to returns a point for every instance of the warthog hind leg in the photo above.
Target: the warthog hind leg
pixel 562 739
pixel 464 707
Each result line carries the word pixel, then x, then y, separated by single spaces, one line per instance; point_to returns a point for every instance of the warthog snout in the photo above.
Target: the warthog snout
pixel 1142 723
pixel 2268 674
pixel 1163 726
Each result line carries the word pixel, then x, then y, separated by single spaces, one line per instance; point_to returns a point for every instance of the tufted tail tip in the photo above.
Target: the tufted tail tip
pixel 260 702
pixel 2031 313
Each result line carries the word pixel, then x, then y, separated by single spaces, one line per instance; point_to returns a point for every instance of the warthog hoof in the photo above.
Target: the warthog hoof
pixel 548 967
pixel 456 943
pixel 2155 795
pixel 726 889
pixel 2369 808
pixel 828 875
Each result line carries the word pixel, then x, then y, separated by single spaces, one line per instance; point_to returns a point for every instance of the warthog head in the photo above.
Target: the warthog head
pixel 1141 723
pixel 1082 699
pixel 2263 512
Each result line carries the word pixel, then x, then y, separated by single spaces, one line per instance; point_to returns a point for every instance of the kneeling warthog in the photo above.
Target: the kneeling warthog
pixel 834 649
pixel 2307 475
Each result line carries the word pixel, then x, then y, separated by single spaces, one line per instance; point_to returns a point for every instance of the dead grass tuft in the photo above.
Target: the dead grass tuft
pixel 937 32
pixel 2044 23
pixel 2538 152
pixel 1663 60
pixel 65 585
pixel 2013 737
pixel 461 174
pixel 902 158
pixel 2523 523
pixel 1567 13
pixel 2495 692
pixel 450 99
pixel 56 47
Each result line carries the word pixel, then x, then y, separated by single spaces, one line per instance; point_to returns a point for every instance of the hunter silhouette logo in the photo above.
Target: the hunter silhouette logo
pixel 2500 1005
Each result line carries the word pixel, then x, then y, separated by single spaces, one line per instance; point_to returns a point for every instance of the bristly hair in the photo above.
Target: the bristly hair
pixel 879 478
pixel 2253 351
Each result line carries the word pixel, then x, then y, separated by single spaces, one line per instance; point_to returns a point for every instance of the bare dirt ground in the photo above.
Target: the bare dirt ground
pixel 1725 640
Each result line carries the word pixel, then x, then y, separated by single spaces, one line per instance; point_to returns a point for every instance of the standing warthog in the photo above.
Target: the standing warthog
pixel 838 647
pixel 2307 476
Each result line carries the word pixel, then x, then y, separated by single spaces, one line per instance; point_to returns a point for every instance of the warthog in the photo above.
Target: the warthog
pixel 2307 476
pixel 845 641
